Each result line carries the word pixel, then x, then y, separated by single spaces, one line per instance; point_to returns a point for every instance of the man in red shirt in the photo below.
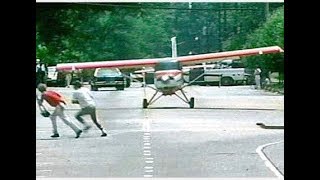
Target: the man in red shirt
pixel 56 100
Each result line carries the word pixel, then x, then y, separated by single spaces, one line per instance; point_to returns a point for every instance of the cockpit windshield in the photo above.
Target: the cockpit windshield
pixel 168 65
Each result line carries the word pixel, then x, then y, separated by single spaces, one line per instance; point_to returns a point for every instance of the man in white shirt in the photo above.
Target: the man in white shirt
pixel 257 78
pixel 84 98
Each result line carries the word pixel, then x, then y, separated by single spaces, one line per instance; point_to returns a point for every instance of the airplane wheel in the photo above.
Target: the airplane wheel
pixel 145 103
pixel 191 103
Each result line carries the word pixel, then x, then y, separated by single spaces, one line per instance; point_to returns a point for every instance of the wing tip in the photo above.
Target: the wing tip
pixel 280 49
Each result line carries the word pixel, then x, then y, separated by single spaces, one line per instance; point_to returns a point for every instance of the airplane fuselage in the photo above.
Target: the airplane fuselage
pixel 168 81
pixel 168 76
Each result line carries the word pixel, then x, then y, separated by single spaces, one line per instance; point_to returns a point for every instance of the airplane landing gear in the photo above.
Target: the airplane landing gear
pixel 191 102
pixel 145 103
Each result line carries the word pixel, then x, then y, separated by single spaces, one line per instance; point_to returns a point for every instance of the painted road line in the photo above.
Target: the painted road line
pixel 45 170
pixel 44 163
pixel 148 167
pixel 147 149
pixel 266 160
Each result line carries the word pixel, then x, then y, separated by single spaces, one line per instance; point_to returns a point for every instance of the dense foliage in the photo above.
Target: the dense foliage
pixel 270 33
pixel 94 32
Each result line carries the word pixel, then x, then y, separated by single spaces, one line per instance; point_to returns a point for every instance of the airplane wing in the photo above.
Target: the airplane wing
pixel 213 57
pixel 185 60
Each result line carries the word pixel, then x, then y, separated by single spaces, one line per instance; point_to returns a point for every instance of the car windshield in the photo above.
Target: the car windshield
pixel 107 72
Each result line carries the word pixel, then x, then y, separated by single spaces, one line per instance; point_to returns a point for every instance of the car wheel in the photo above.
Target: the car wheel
pixel 94 88
pixel 128 82
pixel 120 87
pixel 227 81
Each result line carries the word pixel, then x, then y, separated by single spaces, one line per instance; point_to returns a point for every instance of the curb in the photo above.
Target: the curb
pixel 267 160
pixel 270 89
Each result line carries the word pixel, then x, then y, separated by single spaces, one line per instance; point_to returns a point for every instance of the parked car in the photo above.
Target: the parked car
pixel 55 78
pixel 107 77
pixel 137 76
pixel 227 72
pixel 52 76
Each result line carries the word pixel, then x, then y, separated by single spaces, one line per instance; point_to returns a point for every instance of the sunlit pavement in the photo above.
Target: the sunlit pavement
pixel 218 138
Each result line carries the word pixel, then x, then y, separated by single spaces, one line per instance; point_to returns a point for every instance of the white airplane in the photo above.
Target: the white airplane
pixel 168 72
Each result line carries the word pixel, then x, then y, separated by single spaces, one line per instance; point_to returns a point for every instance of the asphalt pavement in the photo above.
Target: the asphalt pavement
pixel 219 138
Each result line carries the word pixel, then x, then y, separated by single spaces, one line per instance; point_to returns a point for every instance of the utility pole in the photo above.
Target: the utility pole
pixel 192 45
pixel 174 47
pixel 266 11
pixel 219 28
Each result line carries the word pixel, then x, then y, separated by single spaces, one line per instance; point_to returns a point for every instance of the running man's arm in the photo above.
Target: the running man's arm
pixel 40 100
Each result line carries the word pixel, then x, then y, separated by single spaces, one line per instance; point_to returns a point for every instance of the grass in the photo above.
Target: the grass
pixel 275 87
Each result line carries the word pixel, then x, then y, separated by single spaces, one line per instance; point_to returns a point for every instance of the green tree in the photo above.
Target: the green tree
pixel 41 49
pixel 112 31
pixel 269 34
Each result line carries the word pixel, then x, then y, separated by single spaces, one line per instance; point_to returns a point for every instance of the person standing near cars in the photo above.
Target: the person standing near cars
pixel 56 100
pixel 41 72
pixel 68 79
pixel 84 98
pixel 257 78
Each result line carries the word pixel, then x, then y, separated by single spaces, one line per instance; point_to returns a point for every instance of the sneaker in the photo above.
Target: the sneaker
pixel 78 133
pixel 103 134
pixel 54 135
pixel 86 128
